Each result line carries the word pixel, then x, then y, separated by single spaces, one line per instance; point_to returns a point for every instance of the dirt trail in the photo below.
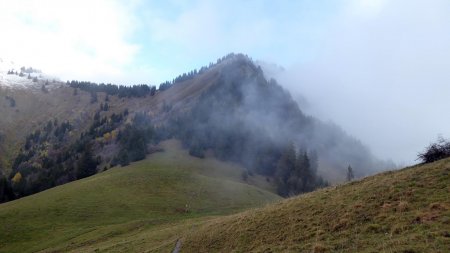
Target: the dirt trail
pixel 177 247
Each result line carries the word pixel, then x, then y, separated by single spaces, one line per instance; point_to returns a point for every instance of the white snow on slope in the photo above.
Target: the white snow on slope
pixel 14 81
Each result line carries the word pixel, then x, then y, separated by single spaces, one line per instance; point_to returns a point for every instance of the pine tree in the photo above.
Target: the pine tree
pixel 314 160
pixel 123 158
pixel 6 192
pixel 86 165
pixel 285 166
pixel 350 175
pixel 307 176
pixel 93 97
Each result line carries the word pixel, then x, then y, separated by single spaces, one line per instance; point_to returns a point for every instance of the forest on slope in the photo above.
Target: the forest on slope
pixel 227 109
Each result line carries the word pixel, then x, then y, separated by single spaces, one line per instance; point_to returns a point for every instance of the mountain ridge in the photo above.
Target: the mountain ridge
pixel 228 108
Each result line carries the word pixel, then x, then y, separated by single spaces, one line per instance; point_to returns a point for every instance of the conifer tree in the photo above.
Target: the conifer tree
pixel 350 175
pixel 86 165
pixel 285 166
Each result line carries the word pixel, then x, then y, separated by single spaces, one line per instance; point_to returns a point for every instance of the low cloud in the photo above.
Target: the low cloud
pixel 382 74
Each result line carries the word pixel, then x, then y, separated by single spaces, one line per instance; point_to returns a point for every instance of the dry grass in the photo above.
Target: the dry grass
pixel 403 211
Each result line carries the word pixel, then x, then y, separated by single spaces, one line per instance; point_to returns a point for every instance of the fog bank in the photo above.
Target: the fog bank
pixel 383 77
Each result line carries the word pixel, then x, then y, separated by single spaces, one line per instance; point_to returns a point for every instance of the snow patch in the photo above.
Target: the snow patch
pixel 15 81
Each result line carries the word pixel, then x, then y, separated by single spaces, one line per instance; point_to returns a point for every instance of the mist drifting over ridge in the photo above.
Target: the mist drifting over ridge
pixel 383 77
pixel 246 118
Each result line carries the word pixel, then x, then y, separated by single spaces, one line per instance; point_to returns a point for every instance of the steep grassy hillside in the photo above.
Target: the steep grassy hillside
pixel 403 211
pixel 139 204
pixel 33 108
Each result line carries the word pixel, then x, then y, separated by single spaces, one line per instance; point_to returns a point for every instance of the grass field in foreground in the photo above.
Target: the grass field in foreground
pixel 135 208
pixel 139 208
pixel 402 211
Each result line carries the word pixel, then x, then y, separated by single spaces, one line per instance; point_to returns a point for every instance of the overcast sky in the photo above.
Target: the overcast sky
pixel 378 68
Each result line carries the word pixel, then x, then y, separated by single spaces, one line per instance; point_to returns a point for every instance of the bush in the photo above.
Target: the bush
pixel 435 151
pixel 197 151
pixel 244 175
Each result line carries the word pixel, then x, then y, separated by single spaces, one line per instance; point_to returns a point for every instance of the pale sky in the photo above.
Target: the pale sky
pixel 378 68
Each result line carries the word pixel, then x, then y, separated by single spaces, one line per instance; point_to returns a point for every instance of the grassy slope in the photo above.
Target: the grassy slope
pixel 122 208
pixel 403 211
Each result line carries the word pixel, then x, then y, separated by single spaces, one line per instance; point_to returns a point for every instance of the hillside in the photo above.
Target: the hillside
pixel 33 108
pixel 139 208
pixel 63 132
pixel 144 196
pixel 82 168
pixel 401 211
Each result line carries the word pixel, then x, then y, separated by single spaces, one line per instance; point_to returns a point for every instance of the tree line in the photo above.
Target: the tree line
pixel 143 90
pixel 140 90
pixel 51 156
pixel 296 172
pixel 191 74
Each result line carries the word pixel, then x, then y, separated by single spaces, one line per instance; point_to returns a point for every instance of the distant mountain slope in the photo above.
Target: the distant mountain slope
pixel 402 211
pixel 28 108
pixel 249 119
pixel 227 109
pixel 143 195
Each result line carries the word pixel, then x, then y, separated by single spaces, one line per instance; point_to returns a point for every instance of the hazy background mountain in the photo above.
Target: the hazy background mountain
pixel 55 132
